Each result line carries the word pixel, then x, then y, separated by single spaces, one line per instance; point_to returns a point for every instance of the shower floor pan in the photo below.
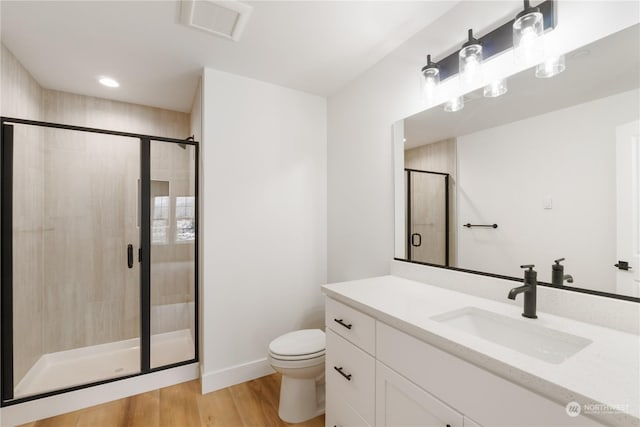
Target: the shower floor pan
pixel 84 365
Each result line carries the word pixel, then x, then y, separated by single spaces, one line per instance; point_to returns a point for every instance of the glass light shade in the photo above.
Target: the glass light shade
pixel 550 67
pixel 527 28
pixel 527 37
pixel 495 88
pixel 431 76
pixel 454 104
pixel 470 60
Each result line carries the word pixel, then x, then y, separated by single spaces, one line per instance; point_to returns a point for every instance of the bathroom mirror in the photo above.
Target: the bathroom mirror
pixel 548 170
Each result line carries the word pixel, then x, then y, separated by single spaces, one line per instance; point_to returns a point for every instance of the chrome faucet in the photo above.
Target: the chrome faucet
pixel 557 273
pixel 529 289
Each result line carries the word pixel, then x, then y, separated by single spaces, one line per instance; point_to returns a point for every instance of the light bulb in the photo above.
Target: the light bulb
pixel 552 66
pixel 495 88
pixel 527 35
pixel 454 104
pixel 108 81
pixel 431 74
pixel 470 57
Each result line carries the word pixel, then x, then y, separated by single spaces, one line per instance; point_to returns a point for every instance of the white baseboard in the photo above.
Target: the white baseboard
pixel 67 402
pixel 212 381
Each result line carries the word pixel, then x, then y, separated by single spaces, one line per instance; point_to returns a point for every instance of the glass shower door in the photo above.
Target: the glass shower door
pixel 427 217
pixel 75 272
pixel 173 253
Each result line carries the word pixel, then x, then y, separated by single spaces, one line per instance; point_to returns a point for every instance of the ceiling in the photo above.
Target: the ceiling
pixel 603 68
pixel 312 46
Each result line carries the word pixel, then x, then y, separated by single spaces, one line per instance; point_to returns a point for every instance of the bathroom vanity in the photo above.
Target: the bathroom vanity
pixel 406 353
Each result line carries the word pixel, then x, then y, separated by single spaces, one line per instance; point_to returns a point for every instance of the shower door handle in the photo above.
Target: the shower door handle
pixel 130 255
pixel 413 239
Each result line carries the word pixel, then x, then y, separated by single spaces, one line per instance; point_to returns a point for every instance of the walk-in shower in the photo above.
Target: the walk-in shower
pixel 99 256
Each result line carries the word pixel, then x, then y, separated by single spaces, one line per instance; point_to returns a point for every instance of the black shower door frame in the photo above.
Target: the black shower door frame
pixel 6 253
pixel 446 211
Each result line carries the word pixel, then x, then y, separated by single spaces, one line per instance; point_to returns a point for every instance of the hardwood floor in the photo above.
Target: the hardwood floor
pixel 254 403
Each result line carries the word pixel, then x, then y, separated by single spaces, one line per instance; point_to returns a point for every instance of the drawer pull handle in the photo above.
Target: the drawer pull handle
pixel 340 321
pixel 347 376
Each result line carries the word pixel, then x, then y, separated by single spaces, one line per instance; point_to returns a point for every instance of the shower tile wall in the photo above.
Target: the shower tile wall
pixel 90 295
pixel 110 297
pixel 22 97
pixel 49 316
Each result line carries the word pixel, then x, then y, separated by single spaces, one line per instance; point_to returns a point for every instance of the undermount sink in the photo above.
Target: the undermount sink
pixel 520 335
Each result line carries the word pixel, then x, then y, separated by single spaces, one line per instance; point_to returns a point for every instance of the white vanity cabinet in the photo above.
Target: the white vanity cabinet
pixel 377 375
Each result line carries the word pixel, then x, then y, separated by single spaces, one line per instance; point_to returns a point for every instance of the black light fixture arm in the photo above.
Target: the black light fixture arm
pixel 430 64
pixel 471 40
pixel 498 40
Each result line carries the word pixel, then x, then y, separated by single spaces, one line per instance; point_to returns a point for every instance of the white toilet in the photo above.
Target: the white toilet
pixel 299 357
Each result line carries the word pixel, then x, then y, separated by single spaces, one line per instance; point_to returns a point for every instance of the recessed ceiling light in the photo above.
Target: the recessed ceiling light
pixel 108 81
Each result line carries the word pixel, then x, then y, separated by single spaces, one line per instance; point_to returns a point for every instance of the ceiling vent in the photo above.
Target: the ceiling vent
pixel 225 18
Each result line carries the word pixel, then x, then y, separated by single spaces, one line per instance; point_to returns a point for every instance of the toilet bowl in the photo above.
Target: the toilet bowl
pixel 299 357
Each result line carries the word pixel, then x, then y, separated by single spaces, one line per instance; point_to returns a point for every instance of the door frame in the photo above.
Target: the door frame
pixel 446 211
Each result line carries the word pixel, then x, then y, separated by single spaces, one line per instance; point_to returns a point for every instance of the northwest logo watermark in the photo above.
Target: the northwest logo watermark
pixel 574 409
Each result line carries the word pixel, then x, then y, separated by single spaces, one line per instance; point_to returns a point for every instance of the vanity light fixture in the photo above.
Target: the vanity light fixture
pixel 528 28
pixel 470 57
pixel 454 104
pixel 498 40
pixel 495 88
pixel 108 82
pixel 552 66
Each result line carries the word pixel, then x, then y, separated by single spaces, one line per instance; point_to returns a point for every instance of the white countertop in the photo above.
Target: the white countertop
pixel 607 371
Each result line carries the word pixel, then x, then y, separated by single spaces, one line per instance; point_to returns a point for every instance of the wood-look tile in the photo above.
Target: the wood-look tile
pixel 217 409
pixel 267 402
pixel 64 420
pixel 251 404
pixel 250 412
pixel 111 414
pixel 178 405
pixel 144 410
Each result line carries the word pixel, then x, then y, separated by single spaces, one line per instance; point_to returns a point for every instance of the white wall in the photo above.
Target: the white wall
pixel 506 172
pixel 360 166
pixel 264 239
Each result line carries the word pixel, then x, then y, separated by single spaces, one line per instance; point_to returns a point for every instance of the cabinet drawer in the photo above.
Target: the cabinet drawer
pixel 340 414
pixel 350 376
pixel 351 324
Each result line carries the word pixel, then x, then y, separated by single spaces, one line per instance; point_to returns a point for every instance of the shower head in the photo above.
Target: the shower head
pixel 184 146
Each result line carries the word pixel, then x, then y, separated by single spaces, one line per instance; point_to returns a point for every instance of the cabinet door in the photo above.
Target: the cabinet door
pixel 401 403
pixel 350 376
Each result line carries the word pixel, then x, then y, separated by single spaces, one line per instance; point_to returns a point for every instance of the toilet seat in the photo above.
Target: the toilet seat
pixel 304 344
pixel 296 363
pixel 297 357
